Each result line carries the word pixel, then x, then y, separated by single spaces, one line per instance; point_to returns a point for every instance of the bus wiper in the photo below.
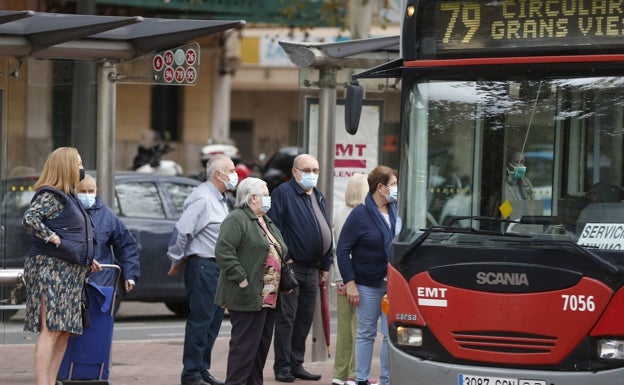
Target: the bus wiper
pixel 483 219
pixel 593 257
pixel 459 230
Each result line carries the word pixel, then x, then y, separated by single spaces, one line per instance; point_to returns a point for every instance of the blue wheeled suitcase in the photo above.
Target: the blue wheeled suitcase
pixel 87 358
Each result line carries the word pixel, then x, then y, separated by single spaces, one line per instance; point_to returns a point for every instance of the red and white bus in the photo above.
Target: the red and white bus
pixel 488 287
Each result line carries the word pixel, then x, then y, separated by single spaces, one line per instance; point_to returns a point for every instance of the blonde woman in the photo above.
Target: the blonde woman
pixel 60 256
pixel 344 361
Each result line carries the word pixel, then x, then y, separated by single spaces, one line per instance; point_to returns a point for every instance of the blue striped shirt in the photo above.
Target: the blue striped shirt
pixel 197 229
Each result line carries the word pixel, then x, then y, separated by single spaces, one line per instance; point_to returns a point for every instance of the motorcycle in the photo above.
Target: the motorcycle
pixel 149 160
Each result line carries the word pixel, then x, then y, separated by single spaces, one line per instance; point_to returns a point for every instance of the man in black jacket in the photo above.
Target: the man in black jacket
pixel 298 209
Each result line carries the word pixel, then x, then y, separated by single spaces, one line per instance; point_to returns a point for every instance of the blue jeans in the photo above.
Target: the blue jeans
pixel 204 321
pixel 368 314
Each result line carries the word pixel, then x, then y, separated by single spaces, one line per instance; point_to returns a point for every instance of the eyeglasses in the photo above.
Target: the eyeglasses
pixel 308 170
pixel 395 184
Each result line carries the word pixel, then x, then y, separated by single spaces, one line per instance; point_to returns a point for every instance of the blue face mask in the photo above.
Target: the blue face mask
pixel 308 181
pixel 266 204
pixel 394 192
pixel 86 200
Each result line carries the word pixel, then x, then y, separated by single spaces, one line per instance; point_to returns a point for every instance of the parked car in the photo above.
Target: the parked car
pixel 278 168
pixel 148 204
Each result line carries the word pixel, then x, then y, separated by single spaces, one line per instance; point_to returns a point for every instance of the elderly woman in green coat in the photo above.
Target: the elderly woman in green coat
pixel 249 251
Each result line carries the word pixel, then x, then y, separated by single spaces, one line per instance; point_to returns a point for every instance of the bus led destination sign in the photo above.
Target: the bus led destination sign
pixel 517 23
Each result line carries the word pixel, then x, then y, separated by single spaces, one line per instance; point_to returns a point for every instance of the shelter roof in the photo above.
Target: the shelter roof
pixel 89 37
pixel 345 54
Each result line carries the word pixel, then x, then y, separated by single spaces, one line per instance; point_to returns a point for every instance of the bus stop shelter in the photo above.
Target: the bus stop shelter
pixel 105 41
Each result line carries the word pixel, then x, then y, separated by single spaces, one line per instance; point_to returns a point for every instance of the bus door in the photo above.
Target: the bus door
pixel 591 177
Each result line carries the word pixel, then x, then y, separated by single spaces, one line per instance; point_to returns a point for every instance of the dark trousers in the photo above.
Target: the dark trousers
pixel 293 325
pixel 204 321
pixel 250 341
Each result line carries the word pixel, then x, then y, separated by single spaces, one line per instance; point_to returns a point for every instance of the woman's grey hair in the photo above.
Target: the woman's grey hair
pixel 247 188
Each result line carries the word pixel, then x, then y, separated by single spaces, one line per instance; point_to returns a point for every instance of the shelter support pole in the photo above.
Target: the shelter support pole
pixel 326 152
pixel 221 90
pixel 105 147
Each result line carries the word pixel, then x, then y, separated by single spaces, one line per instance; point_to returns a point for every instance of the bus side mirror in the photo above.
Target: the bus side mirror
pixel 353 106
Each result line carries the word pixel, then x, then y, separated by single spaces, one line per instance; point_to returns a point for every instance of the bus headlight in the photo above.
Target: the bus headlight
pixel 611 349
pixel 409 336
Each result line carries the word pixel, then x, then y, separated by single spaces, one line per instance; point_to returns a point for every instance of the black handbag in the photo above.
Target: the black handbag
pixel 288 279
pixel 84 307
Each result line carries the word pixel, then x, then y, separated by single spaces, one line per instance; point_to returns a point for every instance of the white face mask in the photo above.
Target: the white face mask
pixel 308 180
pixel 266 204
pixel 394 192
pixel 232 181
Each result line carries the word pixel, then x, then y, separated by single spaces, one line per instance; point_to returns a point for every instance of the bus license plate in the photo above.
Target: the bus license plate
pixel 465 379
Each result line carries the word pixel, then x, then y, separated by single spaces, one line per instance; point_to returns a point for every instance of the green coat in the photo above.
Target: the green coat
pixel 241 251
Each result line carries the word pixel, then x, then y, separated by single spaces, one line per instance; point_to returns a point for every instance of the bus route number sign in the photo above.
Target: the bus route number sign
pixel 513 23
pixel 177 66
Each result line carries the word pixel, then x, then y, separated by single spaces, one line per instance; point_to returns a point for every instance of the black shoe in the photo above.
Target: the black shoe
pixel 363 383
pixel 300 372
pixel 206 376
pixel 197 381
pixel 284 376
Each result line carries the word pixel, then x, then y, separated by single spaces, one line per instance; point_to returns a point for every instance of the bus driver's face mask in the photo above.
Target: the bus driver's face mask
pixel 517 171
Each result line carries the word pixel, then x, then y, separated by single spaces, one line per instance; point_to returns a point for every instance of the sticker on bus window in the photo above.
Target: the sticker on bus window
pixel 609 236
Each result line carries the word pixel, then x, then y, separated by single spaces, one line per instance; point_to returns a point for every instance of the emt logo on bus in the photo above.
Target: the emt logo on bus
pixel 603 236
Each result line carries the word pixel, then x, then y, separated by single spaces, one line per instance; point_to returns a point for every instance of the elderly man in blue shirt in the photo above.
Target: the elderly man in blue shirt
pixel 192 245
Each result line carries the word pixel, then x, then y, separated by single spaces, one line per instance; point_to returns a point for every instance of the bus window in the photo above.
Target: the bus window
pixel 471 132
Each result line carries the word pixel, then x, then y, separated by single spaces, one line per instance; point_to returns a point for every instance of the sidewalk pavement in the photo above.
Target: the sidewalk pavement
pixel 158 362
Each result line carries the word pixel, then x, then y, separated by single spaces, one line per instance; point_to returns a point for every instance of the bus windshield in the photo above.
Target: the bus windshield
pixel 546 153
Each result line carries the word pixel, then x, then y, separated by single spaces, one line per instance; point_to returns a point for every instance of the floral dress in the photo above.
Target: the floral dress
pixel 58 281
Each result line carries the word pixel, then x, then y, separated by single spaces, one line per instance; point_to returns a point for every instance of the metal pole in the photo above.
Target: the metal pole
pixel 105 161
pixel 326 152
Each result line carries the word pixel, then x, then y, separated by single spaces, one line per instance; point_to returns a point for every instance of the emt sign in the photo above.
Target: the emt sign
pixel 354 153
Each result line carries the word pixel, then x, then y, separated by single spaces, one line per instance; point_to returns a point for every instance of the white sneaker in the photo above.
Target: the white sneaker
pixel 337 381
pixel 350 381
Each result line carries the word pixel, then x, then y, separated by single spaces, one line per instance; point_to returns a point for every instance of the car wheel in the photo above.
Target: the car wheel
pixel 180 308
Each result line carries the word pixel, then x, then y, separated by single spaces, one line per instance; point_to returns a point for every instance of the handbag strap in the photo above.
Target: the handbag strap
pixel 270 238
